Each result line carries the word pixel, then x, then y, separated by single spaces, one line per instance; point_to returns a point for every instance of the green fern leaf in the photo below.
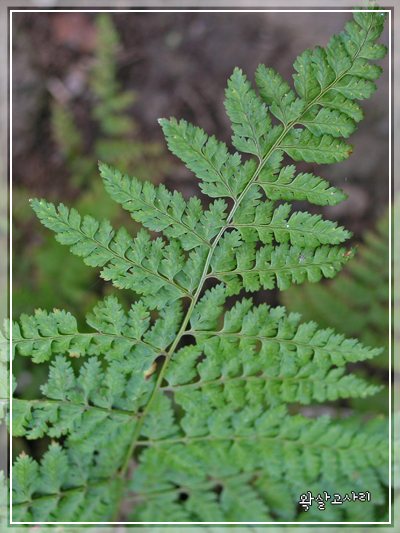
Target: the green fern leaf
pixel 280 265
pixel 61 380
pixel 250 120
pixel 344 105
pixel 245 328
pixel 337 56
pixel 277 94
pixel 305 82
pixel 21 413
pixel 248 379
pixel 207 158
pixel 325 121
pixel 295 444
pixel 53 469
pixel 118 336
pixel 302 229
pixel 159 210
pixel 128 265
pixel 75 406
pixel 323 72
pixel 302 145
pixel 184 408
pixel 346 303
pixel 62 499
pixel 302 187
pixel 26 472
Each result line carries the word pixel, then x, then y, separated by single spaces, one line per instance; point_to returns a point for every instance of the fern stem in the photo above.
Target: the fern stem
pixel 274 269
pixel 64 493
pixel 156 388
pixel 233 438
pixel 262 377
pixel 75 335
pixel 138 427
pixel 168 357
pixel 111 411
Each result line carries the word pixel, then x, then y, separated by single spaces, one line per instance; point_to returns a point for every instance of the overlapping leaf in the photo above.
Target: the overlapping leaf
pixel 245 377
pixel 331 79
pixel 286 186
pixel 92 407
pixel 249 116
pixel 302 145
pixel 277 94
pixel 355 303
pixel 301 228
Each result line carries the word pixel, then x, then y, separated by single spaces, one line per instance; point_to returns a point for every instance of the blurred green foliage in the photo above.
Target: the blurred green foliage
pixel 44 271
pixel 117 140
pixel 45 268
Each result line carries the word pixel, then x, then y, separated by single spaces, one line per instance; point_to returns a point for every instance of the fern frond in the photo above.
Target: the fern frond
pixel 280 265
pixel 159 210
pixel 118 336
pixel 220 172
pixel 314 453
pixel 302 145
pixel 250 120
pixel 64 487
pixel 355 303
pixel 247 379
pixel 285 186
pixel 146 266
pixel 92 407
pixel 185 417
pixel 323 121
pixel 340 103
pixel 277 94
pixel 244 327
pixel 301 229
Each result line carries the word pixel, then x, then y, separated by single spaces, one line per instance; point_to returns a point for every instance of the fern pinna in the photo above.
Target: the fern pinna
pixel 179 412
